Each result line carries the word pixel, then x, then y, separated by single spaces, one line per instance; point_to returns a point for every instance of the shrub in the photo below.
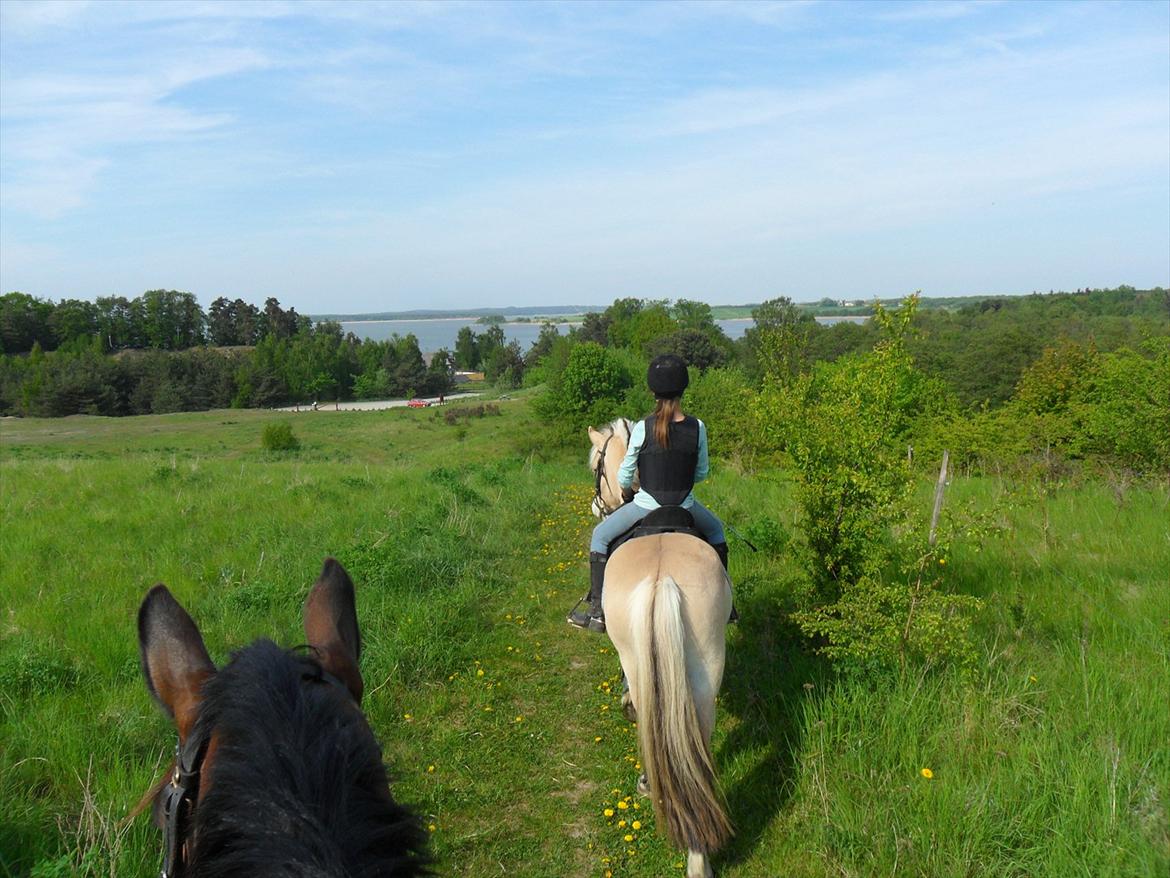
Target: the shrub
pixel 845 426
pixel 279 437
pixel 590 389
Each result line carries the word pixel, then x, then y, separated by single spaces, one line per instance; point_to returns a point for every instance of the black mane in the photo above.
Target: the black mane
pixel 297 785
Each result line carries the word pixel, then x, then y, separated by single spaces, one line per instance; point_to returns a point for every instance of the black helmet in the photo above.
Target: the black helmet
pixel 668 376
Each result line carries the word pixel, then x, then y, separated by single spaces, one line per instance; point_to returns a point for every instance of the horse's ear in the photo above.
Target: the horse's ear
pixel 331 626
pixel 174 660
pixel 596 437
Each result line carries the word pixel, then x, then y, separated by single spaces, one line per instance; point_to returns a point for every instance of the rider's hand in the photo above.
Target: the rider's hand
pixel 627 495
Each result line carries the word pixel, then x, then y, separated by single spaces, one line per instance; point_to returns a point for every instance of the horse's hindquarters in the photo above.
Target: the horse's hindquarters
pixel 666 601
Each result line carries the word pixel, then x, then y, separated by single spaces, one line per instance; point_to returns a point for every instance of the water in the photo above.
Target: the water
pixel 441 333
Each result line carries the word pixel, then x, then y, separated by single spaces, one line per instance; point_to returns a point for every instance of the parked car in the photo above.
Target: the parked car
pixel 419 403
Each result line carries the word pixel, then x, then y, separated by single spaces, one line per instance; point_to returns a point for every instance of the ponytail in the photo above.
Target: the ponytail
pixel 664 414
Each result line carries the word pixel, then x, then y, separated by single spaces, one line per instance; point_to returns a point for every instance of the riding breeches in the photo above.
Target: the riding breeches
pixel 627 516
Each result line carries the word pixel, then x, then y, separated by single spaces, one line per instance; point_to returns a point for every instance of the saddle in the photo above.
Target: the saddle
pixel 663 520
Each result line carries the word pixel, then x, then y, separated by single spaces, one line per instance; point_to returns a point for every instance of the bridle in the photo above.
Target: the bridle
pixel 178 800
pixel 182 792
pixel 605 509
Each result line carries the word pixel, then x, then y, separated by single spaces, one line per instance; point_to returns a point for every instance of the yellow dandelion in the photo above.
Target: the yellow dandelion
pixel 623 804
pixel 627 838
pixel 479 673
pixel 942 561
pixel 407 717
pixel 431 827
pixel 430 769
pixel 621 824
pixel 927 773
pixel 637 824
pixel 519 719
pixel 608 812
pixel 597 740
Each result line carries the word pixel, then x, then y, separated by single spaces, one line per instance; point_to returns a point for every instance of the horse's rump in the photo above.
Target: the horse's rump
pixel 666 604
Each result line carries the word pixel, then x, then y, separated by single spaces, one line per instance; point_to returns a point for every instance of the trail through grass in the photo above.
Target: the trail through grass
pixel 501 723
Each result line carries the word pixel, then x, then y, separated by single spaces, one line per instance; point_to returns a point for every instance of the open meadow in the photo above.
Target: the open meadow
pixel 502 725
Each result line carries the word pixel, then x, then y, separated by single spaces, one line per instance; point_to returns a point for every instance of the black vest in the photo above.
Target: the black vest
pixel 668 474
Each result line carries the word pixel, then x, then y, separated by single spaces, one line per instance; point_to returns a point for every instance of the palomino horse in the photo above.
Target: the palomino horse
pixel 666 600
pixel 276 770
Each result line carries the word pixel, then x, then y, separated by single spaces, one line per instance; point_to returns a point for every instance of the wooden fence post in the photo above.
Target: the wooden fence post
pixel 938 495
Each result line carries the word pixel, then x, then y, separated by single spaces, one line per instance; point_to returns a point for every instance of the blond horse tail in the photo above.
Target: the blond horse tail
pixel 675 753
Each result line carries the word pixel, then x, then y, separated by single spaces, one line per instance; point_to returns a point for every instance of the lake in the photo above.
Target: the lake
pixel 441 333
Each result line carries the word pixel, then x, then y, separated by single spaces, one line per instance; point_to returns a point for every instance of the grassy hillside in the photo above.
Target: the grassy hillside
pixel 501 723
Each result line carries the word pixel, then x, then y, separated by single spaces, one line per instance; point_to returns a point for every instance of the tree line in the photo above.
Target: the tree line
pixel 161 353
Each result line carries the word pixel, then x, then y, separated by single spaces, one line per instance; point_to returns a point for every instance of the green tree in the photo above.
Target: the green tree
pixel 24 321
pixel 779 339
pixel 466 349
pixel 692 315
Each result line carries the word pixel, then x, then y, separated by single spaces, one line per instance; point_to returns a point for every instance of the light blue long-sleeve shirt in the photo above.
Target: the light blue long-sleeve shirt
pixel 629 467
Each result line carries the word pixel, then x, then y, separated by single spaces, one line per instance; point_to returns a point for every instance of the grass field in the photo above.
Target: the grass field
pixel 502 724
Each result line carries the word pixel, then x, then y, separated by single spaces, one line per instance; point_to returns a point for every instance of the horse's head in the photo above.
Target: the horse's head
pixel 608 449
pixel 275 765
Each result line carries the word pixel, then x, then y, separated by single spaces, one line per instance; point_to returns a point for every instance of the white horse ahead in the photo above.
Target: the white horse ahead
pixel 666 600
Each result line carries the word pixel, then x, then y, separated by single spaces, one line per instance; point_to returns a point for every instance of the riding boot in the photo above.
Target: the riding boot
pixel 721 551
pixel 588 612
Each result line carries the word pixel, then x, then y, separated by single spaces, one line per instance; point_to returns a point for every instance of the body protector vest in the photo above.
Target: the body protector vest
pixel 668 474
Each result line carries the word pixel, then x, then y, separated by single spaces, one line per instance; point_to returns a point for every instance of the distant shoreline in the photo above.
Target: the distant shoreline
pixel 560 321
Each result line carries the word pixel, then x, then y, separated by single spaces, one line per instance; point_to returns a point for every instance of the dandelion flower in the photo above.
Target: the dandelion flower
pixel 627 838
pixel 479 673
pixel 430 769
pixel 927 773
pixel 407 717
pixel 431 827
pixel 621 824
pixel 942 561
pixel 637 824
pixel 623 804
pixel 597 740
pixel 608 812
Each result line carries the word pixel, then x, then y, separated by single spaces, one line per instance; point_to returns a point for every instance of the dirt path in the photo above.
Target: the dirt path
pixel 369 405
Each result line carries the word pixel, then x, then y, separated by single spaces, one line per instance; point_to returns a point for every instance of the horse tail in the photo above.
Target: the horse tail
pixel 676 755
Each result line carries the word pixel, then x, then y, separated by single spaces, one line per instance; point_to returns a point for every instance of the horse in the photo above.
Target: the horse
pixel 666 599
pixel 276 770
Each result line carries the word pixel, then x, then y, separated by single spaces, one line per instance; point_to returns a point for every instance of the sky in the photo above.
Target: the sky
pixel 383 156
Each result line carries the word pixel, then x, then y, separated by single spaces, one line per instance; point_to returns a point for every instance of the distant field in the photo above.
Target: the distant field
pixel 1051 760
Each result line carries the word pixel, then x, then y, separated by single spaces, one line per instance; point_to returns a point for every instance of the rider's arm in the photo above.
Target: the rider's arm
pixel 629 467
pixel 702 467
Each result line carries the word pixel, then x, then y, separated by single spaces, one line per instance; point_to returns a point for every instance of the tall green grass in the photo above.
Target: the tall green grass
pixel 1050 759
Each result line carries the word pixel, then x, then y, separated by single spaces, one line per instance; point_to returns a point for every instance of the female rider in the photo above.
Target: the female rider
pixel 668 452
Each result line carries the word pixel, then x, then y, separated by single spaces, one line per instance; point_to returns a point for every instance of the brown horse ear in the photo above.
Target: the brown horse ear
pixel 596 437
pixel 331 626
pixel 174 660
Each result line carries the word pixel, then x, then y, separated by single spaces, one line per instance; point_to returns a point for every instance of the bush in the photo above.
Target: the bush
pixel 279 437
pixel 590 389
pixel 845 426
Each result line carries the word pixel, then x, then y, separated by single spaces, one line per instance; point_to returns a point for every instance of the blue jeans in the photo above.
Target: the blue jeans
pixel 630 514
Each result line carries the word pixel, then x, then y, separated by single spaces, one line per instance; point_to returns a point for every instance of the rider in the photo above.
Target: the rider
pixel 668 452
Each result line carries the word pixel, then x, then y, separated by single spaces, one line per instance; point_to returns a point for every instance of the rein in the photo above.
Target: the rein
pixel 182 791
pixel 605 508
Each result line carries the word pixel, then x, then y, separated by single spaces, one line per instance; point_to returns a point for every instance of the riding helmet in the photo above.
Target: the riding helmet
pixel 668 376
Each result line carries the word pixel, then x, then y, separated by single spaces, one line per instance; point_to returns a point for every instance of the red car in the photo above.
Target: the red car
pixel 419 403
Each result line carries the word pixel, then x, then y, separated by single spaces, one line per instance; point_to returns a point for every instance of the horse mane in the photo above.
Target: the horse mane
pixel 297 787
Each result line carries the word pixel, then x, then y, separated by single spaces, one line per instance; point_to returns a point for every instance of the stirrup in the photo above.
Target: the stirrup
pixel 586 618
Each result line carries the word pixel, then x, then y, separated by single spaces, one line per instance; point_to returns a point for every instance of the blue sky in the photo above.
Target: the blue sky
pixel 354 157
